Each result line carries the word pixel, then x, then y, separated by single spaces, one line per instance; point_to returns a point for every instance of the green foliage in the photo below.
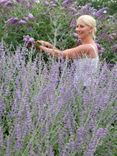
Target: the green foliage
pixel 109 143
pixel 53 24
pixel 48 24
pixel 111 4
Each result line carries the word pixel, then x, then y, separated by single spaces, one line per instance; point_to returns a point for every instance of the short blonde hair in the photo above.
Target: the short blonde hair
pixel 90 21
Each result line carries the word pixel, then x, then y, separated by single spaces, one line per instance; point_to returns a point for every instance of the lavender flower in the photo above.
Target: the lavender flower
pixel 81 134
pixel 101 14
pixel 110 65
pixel 67 3
pixel 29 41
pixel 8 150
pixel 100 48
pixel 12 20
pixel 114 47
pixel 73 23
pixel 1 137
pixel 18 1
pixel 86 9
pixel 18 136
pixel 51 3
pixel 2 107
pixel 30 16
pixel 50 151
pixel 2 52
pixel 106 37
pixel 6 3
pixel 15 20
pixel 26 2
pixel 70 7
pixel 100 133
pixel 20 22
pixel 67 122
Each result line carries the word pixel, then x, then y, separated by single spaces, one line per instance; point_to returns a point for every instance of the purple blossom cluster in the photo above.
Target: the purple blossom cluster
pixel 114 47
pixel 16 21
pixel 100 133
pixel 50 3
pixel 10 3
pixel 47 112
pixel 100 14
pixel 6 3
pixel 29 41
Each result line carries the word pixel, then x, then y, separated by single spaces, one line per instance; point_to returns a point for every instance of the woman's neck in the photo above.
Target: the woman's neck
pixel 87 40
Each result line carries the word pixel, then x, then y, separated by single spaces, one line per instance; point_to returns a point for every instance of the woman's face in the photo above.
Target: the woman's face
pixel 83 30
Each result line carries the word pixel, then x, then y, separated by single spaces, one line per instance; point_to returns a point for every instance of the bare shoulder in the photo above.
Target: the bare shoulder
pixel 76 52
pixel 89 49
pixel 80 51
pixel 84 47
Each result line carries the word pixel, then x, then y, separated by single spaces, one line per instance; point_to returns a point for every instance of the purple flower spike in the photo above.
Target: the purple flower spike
pixel 1 107
pixel 26 18
pixel 18 136
pixel 73 23
pixel 67 3
pixel 30 16
pixel 12 20
pixel 101 132
pixel 46 3
pixel 22 22
pixel 51 3
pixel 50 151
pixel 6 3
pixel 100 48
pixel 101 13
pixel 114 48
pixel 29 41
pixel 1 137
pixel 81 132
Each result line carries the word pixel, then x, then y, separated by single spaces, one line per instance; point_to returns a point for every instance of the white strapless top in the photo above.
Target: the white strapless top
pixel 86 68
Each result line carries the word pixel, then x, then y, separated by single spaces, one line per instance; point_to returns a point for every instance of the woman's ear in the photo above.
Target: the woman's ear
pixel 90 30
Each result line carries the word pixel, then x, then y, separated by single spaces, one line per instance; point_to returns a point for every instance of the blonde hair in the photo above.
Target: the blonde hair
pixel 90 21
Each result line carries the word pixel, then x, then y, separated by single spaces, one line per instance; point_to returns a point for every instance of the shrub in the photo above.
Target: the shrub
pixel 43 111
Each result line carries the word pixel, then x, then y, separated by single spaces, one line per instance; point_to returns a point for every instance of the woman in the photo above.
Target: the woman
pixel 85 54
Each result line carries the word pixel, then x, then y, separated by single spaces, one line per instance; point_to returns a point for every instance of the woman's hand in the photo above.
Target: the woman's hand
pixel 44 43
pixel 47 48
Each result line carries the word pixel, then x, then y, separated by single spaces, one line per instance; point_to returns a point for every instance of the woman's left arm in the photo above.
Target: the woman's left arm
pixel 72 53
pixel 53 51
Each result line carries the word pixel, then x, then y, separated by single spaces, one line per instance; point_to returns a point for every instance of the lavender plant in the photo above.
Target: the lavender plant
pixel 44 111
